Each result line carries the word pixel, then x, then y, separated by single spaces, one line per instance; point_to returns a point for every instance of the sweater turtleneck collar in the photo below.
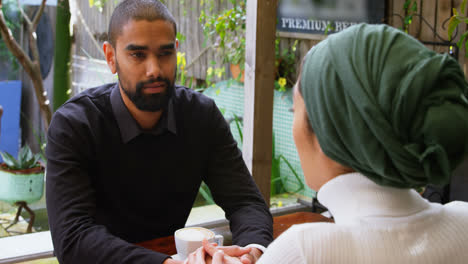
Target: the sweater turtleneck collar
pixel 354 199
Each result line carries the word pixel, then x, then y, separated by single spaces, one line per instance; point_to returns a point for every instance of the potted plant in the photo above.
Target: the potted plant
pixel 229 27
pixel 21 181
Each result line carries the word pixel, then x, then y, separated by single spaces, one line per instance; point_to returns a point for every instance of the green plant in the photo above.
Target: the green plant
pixel 39 136
pixel 278 179
pixel 211 73
pixel 206 193
pixel 410 7
pixel 29 59
pixel 99 4
pixel 229 29
pixel 26 159
pixel 12 20
pixel 457 18
pixel 277 185
pixel 62 55
pixel 285 64
pixel 181 72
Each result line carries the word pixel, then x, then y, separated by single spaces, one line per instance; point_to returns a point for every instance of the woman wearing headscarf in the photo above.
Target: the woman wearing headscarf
pixel 377 114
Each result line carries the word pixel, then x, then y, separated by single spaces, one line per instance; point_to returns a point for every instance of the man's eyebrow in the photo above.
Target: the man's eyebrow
pixel 133 47
pixel 167 46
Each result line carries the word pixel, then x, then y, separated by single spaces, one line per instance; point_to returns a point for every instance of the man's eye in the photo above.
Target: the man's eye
pixel 138 55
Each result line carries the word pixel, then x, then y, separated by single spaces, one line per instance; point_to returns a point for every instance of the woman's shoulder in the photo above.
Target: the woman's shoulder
pixel 457 205
pixel 309 243
pixel 318 232
pixel 458 208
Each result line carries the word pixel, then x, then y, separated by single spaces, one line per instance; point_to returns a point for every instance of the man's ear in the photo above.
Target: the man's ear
pixel 177 44
pixel 109 52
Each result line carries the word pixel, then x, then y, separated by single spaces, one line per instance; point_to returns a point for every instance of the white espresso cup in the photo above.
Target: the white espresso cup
pixel 189 239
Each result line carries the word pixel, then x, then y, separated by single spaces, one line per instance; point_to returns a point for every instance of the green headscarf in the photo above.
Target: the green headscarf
pixel 383 104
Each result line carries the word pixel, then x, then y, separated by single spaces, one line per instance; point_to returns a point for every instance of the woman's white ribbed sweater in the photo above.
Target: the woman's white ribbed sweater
pixel 375 224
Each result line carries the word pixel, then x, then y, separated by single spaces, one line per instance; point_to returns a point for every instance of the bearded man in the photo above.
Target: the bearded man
pixel 126 160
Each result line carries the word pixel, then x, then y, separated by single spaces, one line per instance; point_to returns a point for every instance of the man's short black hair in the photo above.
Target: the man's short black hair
pixel 127 10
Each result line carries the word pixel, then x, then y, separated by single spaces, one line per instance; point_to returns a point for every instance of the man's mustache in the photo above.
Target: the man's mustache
pixel 159 79
pixel 140 85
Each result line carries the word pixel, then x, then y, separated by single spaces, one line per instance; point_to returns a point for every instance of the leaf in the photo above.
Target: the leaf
pixel 463 6
pixel 28 164
pixel 406 5
pixel 181 37
pixel 9 160
pixel 22 155
pixel 29 154
pixel 453 23
pixel 222 110
pixel 301 184
pixel 455 12
pixel 205 192
pixel 239 130
pixel 463 37
pixel 459 44
pixel 466 43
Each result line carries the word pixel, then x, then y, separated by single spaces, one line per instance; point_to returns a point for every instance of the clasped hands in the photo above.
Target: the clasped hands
pixel 209 253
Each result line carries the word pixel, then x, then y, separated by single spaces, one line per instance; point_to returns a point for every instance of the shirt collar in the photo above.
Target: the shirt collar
pixel 354 199
pixel 128 126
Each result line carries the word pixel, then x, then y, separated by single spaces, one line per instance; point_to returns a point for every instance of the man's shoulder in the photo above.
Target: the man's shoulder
pixel 188 97
pixel 93 93
pixel 92 97
pixel 89 104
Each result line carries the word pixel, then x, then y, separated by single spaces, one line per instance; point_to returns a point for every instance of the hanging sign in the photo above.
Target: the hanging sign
pixel 38 2
pixel 327 16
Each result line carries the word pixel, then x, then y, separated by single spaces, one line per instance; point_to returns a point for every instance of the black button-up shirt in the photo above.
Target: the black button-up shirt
pixel 111 184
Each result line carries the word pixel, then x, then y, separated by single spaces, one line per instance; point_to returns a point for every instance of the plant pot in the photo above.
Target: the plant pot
pixel 236 71
pixel 21 185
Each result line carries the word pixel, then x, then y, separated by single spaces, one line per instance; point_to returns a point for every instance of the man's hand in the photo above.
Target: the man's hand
pixel 234 254
pixel 210 254
pixel 199 257
pixel 223 255
pixel 244 255
pixel 252 256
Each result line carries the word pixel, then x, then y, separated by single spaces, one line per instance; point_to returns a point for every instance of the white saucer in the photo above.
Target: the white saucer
pixel 176 257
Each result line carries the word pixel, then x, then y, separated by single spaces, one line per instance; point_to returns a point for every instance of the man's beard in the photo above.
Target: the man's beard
pixel 149 102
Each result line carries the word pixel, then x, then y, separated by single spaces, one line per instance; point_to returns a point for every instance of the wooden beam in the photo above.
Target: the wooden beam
pixel 259 86
pixel 398 10
pixel 428 11
pixel 444 12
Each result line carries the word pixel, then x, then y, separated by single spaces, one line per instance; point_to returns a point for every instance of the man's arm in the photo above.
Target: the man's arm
pixel 71 202
pixel 233 187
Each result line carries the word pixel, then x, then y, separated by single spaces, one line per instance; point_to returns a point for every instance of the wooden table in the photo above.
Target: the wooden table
pixel 166 245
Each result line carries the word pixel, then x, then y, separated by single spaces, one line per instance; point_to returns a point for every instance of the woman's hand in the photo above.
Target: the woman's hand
pixel 210 254
pixel 200 257
pixel 235 254
pixel 229 254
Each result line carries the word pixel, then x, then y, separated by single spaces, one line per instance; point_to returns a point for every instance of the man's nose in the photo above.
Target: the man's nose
pixel 153 69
